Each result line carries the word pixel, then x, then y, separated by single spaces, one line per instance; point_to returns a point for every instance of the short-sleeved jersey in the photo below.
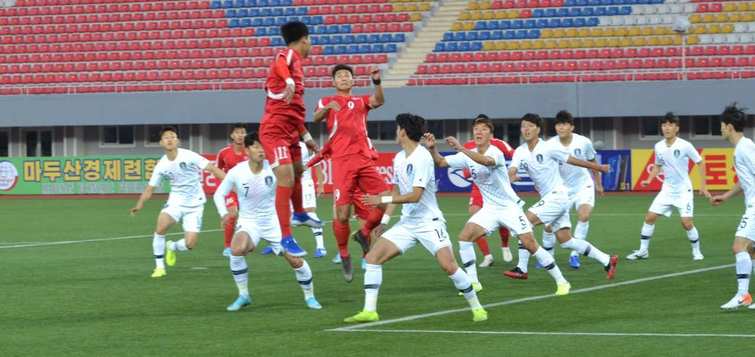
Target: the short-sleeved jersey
pixel 256 192
pixel 227 158
pixel 493 181
pixel 347 128
pixel 744 163
pixel 417 170
pixel 184 174
pixel 275 104
pixel 305 157
pixel 674 161
pixel 575 177
pixel 542 164
pixel 505 148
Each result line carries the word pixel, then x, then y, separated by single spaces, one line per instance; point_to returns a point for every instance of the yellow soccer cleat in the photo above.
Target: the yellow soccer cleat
pixel 563 289
pixel 363 316
pixel 159 273
pixel 476 286
pixel 170 256
pixel 479 315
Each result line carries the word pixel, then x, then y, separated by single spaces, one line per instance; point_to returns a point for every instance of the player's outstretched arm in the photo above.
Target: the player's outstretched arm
pixel 215 171
pixel 596 177
pixel 475 156
pixel 378 98
pixel 144 197
pixel 513 177
pixel 703 187
pixel 395 197
pixel 719 199
pixel 431 145
pixel 587 164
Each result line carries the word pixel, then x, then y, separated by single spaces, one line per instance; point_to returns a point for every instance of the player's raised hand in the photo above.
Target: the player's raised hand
pixel 133 211
pixel 375 73
pixel 429 140
pixel 605 169
pixel 312 146
pixel 371 200
pixel 454 143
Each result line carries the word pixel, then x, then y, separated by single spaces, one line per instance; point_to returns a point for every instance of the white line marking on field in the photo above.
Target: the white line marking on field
pixel 43 244
pixel 528 299
pixel 536 333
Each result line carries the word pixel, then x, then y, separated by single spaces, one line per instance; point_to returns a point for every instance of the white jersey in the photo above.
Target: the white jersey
pixel 674 161
pixel 575 177
pixel 256 192
pixel 744 162
pixel 185 176
pixel 542 164
pixel 493 181
pixel 305 157
pixel 417 170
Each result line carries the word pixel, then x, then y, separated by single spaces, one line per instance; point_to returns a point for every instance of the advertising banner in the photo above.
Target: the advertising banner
pixel 719 169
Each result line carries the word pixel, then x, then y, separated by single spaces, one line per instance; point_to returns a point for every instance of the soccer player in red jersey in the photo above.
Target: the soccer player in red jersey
pixel 475 204
pixel 227 158
pixel 281 128
pixel 353 157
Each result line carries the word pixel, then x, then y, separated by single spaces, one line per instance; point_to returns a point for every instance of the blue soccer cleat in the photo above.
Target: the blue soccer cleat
pixel 304 219
pixel 292 247
pixel 227 252
pixel 319 253
pixel 574 262
pixel 313 304
pixel 240 302
pixel 267 250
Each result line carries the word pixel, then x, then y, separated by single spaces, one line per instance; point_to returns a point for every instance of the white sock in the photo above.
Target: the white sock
pixel 549 242
pixel 645 234
pixel 304 277
pixel 179 246
pixel 240 274
pixel 373 277
pixel 524 258
pixel 547 261
pixel 585 248
pixel 158 249
pixel 464 284
pixel 319 244
pixel 744 267
pixel 467 255
pixel 694 239
pixel 580 232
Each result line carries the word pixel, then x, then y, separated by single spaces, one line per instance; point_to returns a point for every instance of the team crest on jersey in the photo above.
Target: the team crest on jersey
pixel 577 152
pixel 677 153
pixel 409 169
pixel 182 165
pixel 269 180
pixel 539 158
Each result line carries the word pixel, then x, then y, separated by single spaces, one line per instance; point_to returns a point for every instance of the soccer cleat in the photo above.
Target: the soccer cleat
pixel 563 289
pixel 516 273
pixel 304 219
pixel 267 250
pixel 320 252
pixel 170 255
pixel 574 262
pixel 363 316
pixel 227 252
pixel 476 286
pixel 611 267
pixel 348 271
pixel 638 255
pixel 751 307
pixel 696 256
pixel 737 301
pixel 292 247
pixel 240 302
pixel 507 257
pixel 313 304
pixel 479 315
pixel 159 273
pixel 336 259
pixel 363 241
pixel 486 261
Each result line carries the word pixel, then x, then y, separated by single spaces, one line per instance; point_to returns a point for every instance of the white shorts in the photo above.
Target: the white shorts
pixel 666 201
pixel 432 235
pixel 746 227
pixel 309 195
pixel 190 217
pixel 491 218
pixel 584 196
pixel 553 209
pixel 266 229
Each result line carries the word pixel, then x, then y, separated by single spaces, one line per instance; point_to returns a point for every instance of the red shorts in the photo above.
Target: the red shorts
pixel 280 139
pixel 475 197
pixel 232 200
pixel 355 173
pixel 361 210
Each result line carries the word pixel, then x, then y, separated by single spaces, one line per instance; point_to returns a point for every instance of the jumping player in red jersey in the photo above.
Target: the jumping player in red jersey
pixel 353 157
pixel 475 204
pixel 281 128
pixel 227 158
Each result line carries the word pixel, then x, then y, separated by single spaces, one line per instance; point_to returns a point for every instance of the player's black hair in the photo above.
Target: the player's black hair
pixel 414 125
pixel 735 117
pixel 294 31
pixel 671 118
pixel 167 129
pixel 251 138
pixel 236 126
pixel 534 119
pixel 565 117
pixel 484 120
pixel 340 67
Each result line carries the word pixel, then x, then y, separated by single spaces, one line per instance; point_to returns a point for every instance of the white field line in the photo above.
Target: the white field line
pixel 536 333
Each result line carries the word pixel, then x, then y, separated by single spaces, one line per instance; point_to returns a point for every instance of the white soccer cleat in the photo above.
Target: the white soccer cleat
pixel 487 261
pixel 737 301
pixel 697 256
pixel 507 257
pixel 638 255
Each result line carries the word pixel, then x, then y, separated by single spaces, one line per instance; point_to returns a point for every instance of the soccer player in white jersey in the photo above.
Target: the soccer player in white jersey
pixel 254 183
pixel 733 122
pixel 183 170
pixel 672 155
pixel 541 160
pixel 421 221
pixel 581 182
pixel 501 205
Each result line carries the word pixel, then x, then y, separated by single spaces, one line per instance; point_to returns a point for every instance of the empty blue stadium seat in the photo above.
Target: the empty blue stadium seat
pixel 278 11
pixel 448 36
pixel 551 12
pixel 399 37
pixel 483 36
pixel 257 22
pixel 392 48
pixel 492 25
pixel 228 4
pixel 529 24
pixel 496 35
pixel 563 12
pixel 471 36
pixel 542 23
pixel 279 21
pixel 538 13
pixel 216 4
pixel 588 11
pixel 567 22
pixel 266 12
pixel 278 42
pixel 327 50
pixel 554 23
pixel 464 46
pixel 234 23
pixel 242 13
pixel 481 25
pixel 386 37
pixel 601 11
pixel 570 3
pixel 352 49
pixel 580 22
pixel 476 46
pixel 504 25
pixel 254 12
pixel 451 47
pixel 238 4
pixel 613 11
pixel 379 48
pixel 575 11
pixel 593 21
pixel 520 34
pixel 348 39
pixel 508 35
pixel 625 10
pixel 365 48
pixel 459 36
pixel 517 24
pixel 440 47
pixel 301 11
pixel 246 22
pixel 593 2
pixel 533 34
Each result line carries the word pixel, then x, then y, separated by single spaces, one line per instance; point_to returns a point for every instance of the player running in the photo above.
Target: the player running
pixel 672 154
pixel 183 170
pixel 421 221
pixel 541 160
pixel 281 127
pixel 254 182
pixel 502 206
pixel 733 122
pixel 227 158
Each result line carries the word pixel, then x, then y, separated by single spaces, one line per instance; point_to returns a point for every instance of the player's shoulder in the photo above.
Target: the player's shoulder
pixel 492 151
pixel 470 144
pixel 501 144
pixel 581 139
pixel 659 144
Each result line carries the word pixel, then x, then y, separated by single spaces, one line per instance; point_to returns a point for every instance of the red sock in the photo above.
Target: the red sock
pixel 504 237
pixel 296 197
pixel 373 220
pixel 482 242
pixel 229 230
pixel 283 208
pixel 341 231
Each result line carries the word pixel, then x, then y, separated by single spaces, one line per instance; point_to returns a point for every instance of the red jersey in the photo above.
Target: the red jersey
pixel 287 66
pixel 347 128
pixel 227 158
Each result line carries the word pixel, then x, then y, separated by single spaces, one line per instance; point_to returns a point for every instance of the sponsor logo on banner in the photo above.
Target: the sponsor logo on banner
pixel 456 177
pixel 8 176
